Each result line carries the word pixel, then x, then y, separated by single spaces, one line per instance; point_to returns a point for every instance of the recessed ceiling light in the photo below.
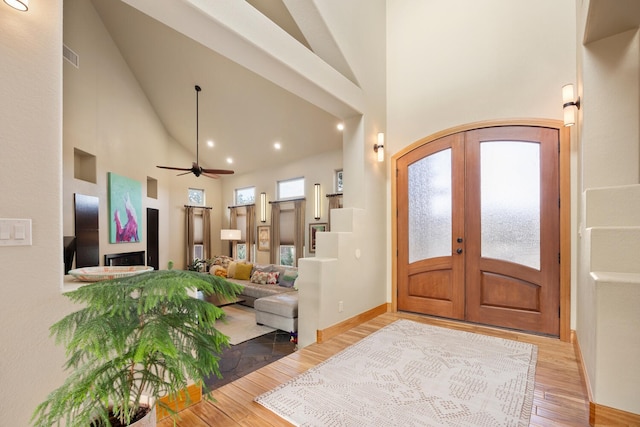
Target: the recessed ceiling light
pixel 277 146
pixel 340 126
pixel 210 143
pixel 229 160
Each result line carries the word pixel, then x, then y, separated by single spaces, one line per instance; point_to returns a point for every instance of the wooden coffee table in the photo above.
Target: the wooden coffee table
pixel 220 301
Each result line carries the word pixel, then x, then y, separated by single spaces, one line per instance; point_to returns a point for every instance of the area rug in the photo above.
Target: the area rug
pixel 412 374
pixel 240 325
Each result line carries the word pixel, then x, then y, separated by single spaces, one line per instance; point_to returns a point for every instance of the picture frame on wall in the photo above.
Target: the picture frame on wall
pixel 313 229
pixel 125 209
pixel 264 237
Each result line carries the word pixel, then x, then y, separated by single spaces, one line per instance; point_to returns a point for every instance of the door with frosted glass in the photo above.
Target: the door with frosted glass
pixel 430 220
pixel 503 242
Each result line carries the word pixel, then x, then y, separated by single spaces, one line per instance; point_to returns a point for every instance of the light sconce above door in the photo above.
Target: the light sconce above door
pixel 568 102
pixel 379 147
pixel 317 207
pixel 21 5
pixel 263 207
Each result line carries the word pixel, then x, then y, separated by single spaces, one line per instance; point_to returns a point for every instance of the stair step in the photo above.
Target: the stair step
pixel 615 249
pixel 613 206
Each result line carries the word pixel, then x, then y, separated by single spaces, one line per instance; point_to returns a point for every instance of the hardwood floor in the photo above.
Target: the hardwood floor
pixel 559 396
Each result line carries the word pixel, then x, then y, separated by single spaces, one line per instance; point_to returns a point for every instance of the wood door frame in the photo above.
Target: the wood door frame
pixel 565 207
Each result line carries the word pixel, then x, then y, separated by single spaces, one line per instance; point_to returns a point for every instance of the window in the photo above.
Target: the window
pixel 245 196
pixel 241 251
pixel 339 181
pixel 287 255
pixel 196 197
pixel 291 188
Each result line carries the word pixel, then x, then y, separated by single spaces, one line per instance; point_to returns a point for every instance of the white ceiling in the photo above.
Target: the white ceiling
pixel 243 113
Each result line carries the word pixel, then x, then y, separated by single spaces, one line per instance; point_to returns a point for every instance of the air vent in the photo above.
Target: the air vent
pixel 70 56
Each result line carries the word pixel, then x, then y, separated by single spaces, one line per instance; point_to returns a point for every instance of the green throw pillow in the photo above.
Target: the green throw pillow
pixel 288 278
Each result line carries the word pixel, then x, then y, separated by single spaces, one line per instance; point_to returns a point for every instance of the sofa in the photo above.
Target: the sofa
pixel 270 289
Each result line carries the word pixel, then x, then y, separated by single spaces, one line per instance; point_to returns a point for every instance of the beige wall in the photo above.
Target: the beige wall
pixel 31 175
pixel 107 115
pixel 320 169
pixel 608 135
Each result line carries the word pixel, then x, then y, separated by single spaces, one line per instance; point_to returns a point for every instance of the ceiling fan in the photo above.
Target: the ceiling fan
pixel 195 168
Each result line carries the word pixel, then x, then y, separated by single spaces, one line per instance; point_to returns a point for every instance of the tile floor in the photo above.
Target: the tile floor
pixel 244 358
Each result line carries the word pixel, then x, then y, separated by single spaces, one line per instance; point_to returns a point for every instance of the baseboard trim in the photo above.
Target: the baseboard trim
pixel 330 332
pixel 180 402
pixel 600 415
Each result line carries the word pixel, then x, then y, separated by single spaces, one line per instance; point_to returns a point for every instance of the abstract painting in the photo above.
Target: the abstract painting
pixel 125 206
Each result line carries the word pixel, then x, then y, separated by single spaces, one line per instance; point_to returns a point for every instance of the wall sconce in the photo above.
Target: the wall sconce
pixel 263 207
pixel 316 197
pixel 569 101
pixel 379 147
pixel 21 5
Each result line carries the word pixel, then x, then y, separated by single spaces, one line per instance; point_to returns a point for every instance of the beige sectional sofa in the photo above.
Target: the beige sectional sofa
pixel 270 289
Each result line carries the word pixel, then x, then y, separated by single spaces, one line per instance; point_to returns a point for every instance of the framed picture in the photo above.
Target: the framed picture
pixel 125 209
pixel 313 229
pixel 264 237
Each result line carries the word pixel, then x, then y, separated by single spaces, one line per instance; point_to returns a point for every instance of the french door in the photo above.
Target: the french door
pixel 479 228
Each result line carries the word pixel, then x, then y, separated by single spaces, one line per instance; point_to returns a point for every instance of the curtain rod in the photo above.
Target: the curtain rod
pixel 201 207
pixel 240 206
pixel 288 200
pixel 334 194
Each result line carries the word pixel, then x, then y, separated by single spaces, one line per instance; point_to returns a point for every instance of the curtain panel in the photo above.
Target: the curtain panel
pixel 189 232
pixel 274 245
pixel 298 237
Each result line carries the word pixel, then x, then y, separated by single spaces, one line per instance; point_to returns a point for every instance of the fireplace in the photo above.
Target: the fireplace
pixel 125 258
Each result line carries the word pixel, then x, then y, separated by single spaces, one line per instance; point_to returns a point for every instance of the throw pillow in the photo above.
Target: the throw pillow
pixel 262 268
pixel 272 277
pixel 264 277
pixel 280 269
pixel 231 270
pixel 221 260
pixel 288 279
pixel 259 277
pixel 218 270
pixel 243 271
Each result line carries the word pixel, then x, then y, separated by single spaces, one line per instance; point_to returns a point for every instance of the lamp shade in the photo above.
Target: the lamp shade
pixel 569 105
pixel 229 234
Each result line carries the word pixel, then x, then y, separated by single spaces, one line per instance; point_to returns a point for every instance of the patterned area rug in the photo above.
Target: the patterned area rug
pixel 240 324
pixel 412 374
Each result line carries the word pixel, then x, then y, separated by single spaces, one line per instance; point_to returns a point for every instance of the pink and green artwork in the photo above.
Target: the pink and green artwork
pixel 125 207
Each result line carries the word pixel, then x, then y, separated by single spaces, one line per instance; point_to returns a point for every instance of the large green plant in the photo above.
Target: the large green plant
pixel 142 335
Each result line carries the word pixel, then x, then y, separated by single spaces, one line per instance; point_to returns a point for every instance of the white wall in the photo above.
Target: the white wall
pixel 107 115
pixel 31 176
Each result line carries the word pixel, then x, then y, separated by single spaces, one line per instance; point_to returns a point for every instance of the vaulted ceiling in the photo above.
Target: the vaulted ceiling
pixel 243 113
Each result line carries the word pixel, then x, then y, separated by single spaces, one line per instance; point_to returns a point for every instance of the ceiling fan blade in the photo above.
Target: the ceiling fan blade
pixel 184 173
pixel 217 171
pixel 175 169
pixel 210 175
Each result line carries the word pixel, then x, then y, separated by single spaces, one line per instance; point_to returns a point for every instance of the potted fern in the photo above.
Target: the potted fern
pixel 138 336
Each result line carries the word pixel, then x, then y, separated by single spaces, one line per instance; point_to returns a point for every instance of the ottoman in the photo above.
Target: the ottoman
pixel 278 311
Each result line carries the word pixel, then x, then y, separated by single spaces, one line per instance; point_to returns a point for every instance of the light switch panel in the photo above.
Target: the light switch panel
pixel 5 231
pixel 15 232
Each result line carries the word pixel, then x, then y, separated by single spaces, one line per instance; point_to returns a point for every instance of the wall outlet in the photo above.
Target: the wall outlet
pixel 340 306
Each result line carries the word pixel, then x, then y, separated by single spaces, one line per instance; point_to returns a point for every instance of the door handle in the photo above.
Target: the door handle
pixel 459 251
